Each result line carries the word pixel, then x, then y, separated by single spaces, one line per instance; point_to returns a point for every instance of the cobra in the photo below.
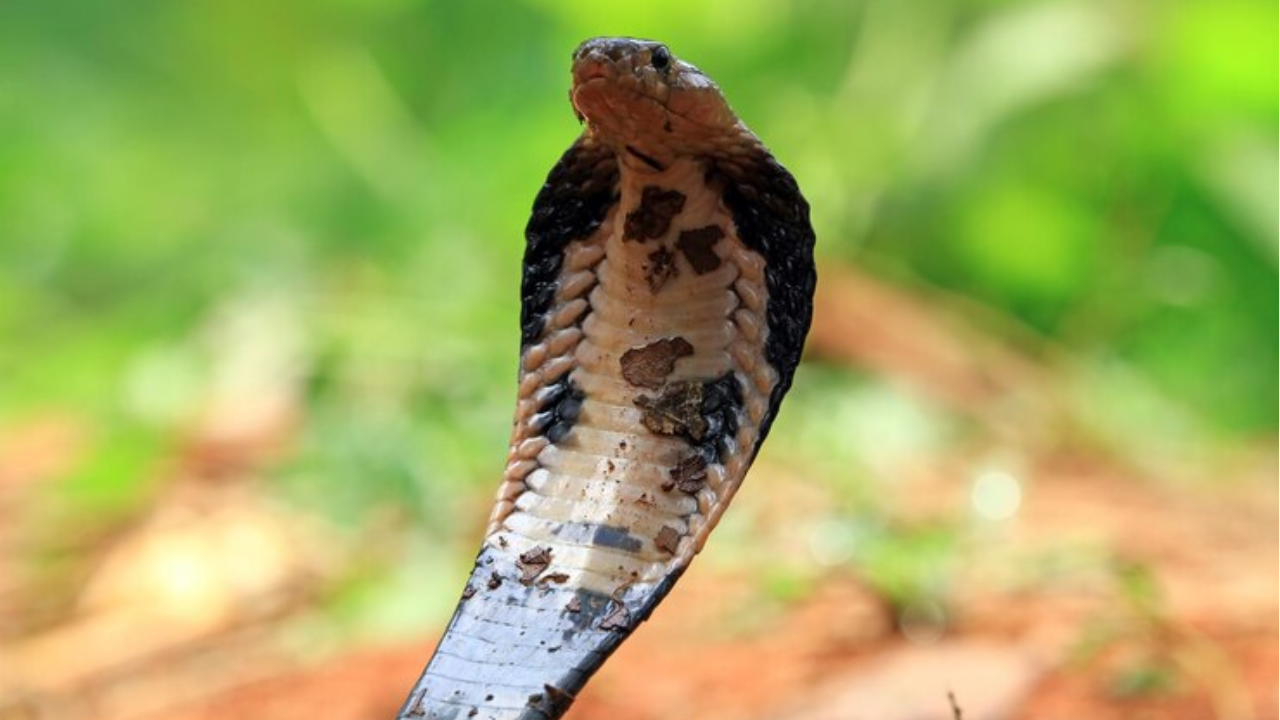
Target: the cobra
pixel 667 291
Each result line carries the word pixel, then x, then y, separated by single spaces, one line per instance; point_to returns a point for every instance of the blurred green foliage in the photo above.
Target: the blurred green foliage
pixel 1104 172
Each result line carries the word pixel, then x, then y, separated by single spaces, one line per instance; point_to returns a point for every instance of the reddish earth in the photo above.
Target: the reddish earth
pixel 1105 597
pixel 1208 649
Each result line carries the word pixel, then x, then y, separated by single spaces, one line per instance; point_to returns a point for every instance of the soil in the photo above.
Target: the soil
pixel 1209 651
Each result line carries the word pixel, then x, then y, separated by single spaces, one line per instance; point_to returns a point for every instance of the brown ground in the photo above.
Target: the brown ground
pixel 1107 596
pixel 1211 640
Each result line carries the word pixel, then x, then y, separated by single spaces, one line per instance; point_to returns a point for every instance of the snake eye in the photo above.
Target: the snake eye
pixel 660 58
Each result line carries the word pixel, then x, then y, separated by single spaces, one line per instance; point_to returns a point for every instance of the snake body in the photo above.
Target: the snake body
pixel 667 291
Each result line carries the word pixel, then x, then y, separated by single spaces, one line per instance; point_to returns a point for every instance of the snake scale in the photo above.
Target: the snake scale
pixel 667 291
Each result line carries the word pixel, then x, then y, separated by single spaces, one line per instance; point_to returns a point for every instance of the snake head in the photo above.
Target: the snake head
pixel 636 94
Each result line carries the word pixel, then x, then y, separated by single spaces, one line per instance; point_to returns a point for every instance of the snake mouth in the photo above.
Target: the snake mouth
pixel 588 70
pixel 599 82
pixel 590 74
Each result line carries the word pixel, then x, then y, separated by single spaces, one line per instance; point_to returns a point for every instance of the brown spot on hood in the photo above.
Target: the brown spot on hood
pixel 668 540
pixel 698 247
pixel 619 618
pixel 653 217
pixel 649 365
pixel 689 475
pixel 659 268
pixel 676 410
pixel 532 563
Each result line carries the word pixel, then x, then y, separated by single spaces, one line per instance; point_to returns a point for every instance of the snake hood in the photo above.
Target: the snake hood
pixel 666 293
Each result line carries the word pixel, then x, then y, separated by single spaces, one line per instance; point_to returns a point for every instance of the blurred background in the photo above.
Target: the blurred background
pixel 258 332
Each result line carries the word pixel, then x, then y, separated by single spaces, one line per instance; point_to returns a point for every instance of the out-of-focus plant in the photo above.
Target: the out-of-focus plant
pixel 1101 172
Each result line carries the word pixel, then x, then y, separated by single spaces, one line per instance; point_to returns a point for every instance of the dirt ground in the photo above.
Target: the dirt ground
pixel 1107 595
pixel 1209 650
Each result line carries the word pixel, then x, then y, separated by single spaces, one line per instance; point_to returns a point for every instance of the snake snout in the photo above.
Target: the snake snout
pixel 591 68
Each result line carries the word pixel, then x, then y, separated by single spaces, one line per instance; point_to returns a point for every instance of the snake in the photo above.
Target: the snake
pixel 666 293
